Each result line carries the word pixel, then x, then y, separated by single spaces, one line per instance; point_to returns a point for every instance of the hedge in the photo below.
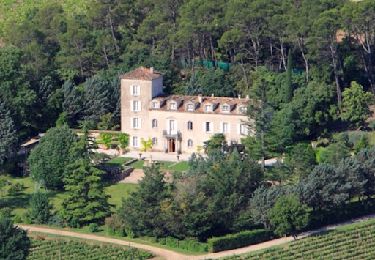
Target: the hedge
pixel 241 239
pixel 188 244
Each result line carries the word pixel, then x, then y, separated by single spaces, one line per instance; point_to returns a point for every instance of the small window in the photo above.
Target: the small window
pixel 208 127
pixel 190 107
pixel 154 141
pixel 243 129
pixel 135 122
pixel 136 106
pixel 173 106
pixel 135 141
pixel 190 125
pixel 155 105
pixel 208 108
pixel 225 108
pixel 225 128
pixel 190 143
pixel 154 123
pixel 243 110
pixel 135 90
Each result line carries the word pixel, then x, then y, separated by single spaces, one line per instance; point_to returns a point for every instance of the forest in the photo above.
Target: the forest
pixel 309 63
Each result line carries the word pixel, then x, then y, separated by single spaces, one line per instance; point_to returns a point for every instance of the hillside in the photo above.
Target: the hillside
pixel 354 241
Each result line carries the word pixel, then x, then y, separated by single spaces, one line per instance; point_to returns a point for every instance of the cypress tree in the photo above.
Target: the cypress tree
pixel 8 135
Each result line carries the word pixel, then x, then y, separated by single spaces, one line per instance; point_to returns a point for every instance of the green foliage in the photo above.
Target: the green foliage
pixel 288 215
pixel 241 239
pixel 15 189
pixel 51 248
pixel 141 212
pixel 300 159
pixel 189 244
pixel 13 240
pixel 215 143
pixel 8 135
pixel 85 200
pixel 146 145
pixel 48 161
pixel 355 105
pixel 348 242
pixel 123 140
pixel 106 139
pixel 39 211
pixel 93 227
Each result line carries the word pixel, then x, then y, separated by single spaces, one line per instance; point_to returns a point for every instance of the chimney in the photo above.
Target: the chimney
pixel 239 96
pixel 200 98
pixel 152 70
pixel 247 97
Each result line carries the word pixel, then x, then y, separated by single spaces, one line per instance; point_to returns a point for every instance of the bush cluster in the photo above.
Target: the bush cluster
pixel 189 244
pixel 241 239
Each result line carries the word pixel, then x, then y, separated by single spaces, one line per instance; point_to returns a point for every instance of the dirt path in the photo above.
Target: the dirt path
pixel 171 255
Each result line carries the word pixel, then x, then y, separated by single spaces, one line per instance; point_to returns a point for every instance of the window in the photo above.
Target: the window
pixel 190 143
pixel 243 110
pixel 135 141
pixel 173 106
pixel 190 125
pixel 136 106
pixel 135 90
pixel 208 108
pixel 155 105
pixel 225 108
pixel 225 128
pixel 208 127
pixel 243 129
pixel 136 123
pixel 154 141
pixel 154 123
pixel 190 107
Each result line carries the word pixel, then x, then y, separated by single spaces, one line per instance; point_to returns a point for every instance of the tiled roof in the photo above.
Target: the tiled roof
pixel 142 73
pixel 200 103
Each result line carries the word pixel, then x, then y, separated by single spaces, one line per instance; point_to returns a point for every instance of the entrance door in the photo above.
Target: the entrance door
pixel 171 145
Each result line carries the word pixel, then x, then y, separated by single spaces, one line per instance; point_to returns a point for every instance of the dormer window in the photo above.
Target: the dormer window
pixel 208 108
pixel 225 108
pixel 155 105
pixel 243 110
pixel 190 107
pixel 173 106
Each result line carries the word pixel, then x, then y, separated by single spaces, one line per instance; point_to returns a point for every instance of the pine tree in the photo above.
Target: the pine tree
pixel 8 135
pixel 86 201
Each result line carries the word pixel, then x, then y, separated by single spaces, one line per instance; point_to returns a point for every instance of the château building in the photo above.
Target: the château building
pixel 176 123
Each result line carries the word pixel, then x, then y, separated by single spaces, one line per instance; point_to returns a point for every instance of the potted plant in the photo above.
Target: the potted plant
pixel 123 142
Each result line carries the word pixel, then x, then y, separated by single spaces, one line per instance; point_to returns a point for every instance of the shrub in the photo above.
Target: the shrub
pixel 93 227
pixel 189 244
pixel 115 226
pixel 40 209
pixel 15 189
pixel 241 239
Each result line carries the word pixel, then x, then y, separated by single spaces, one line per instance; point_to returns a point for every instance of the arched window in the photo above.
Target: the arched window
pixel 190 125
pixel 154 123
pixel 190 143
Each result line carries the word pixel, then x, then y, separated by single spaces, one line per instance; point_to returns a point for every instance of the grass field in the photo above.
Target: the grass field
pixel 19 203
pixel 355 241
pixel 44 248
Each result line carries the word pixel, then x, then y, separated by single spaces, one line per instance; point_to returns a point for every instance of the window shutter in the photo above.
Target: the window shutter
pixel 131 105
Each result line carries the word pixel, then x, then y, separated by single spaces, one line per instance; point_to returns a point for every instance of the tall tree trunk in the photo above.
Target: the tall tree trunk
pixel 334 59
pixel 282 52
pixel 113 31
pixel 304 57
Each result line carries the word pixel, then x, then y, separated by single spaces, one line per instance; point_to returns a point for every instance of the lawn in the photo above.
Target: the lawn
pixel 165 165
pixel 19 203
pixel 119 161
pixel 119 191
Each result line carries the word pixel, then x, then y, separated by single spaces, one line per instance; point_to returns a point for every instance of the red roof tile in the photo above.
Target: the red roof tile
pixel 142 73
